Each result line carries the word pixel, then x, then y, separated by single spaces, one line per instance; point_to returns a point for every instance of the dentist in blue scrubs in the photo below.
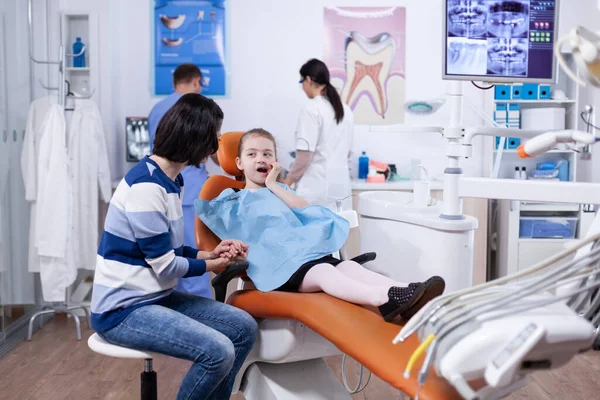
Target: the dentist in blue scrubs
pixel 187 78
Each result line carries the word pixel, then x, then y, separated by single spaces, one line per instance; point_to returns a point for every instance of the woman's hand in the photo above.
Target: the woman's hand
pixel 229 248
pixel 225 254
pixel 218 264
pixel 273 174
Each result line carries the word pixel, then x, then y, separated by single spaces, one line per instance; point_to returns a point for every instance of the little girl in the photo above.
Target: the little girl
pixel 291 242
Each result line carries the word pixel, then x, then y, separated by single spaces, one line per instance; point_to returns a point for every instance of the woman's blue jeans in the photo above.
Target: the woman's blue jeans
pixel 215 336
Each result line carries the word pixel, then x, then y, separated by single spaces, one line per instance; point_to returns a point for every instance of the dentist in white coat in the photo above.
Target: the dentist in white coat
pixel 323 142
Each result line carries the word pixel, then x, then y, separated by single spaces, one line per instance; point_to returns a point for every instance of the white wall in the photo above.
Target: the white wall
pixel 269 41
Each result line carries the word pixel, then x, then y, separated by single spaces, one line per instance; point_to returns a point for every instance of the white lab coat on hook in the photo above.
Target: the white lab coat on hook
pixel 91 178
pixel 34 130
pixel 48 185
pixel 4 168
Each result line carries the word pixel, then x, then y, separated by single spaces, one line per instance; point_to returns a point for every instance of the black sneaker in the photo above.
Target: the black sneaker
pixel 407 301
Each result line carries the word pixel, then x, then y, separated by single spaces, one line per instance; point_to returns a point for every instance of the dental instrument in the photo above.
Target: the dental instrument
pixel 486 311
pixel 478 337
pixel 479 314
pixel 546 142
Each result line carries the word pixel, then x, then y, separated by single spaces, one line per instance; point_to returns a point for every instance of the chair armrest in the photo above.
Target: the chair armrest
pixel 363 258
pixel 220 281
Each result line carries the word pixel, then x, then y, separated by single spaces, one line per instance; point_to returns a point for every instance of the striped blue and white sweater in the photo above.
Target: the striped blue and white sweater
pixel 141 253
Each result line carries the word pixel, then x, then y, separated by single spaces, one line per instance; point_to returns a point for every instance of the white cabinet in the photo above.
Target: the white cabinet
pixel 533 251
pixel 515 253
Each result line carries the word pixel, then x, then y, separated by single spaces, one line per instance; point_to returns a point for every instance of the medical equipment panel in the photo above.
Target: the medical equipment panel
pixel 500 40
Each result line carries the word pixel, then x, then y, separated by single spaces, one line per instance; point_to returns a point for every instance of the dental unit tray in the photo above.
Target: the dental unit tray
pixel 504 351
pixel 484 340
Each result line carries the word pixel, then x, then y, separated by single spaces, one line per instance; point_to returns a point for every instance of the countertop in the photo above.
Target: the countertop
pixel 362 184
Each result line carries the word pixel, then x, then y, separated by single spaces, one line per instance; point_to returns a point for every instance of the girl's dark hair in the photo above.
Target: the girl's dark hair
pixel 318 73
pixel 187 133
pixel 260 132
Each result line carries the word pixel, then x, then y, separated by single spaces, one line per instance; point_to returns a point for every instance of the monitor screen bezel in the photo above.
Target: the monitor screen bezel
pixel 492 78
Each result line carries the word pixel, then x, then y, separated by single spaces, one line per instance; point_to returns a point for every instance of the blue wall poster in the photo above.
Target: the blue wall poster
pixel 190 31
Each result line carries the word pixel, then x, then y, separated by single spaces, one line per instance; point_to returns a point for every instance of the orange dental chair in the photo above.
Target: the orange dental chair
pixel 297 330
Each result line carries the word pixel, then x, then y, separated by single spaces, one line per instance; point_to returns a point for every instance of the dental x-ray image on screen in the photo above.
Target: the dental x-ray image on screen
pixel 508 19
pixel 467 56
pixel 468 19
pixel 507 57
pixel 500 40
pixel 137 138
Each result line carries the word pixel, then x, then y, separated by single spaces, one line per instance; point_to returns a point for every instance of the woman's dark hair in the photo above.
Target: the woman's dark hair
pixel 318 73
pixel 187 133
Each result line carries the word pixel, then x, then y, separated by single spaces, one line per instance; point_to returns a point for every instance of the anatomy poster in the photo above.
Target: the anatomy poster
pixel 190 31
pixel 364 50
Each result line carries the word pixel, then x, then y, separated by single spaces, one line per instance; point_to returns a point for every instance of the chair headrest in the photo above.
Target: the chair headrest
pixel 228 151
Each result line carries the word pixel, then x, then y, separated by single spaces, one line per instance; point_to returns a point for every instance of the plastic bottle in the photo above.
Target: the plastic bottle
pixel 78 61
pixel 363 166
pixel 523 173
pixel 517 173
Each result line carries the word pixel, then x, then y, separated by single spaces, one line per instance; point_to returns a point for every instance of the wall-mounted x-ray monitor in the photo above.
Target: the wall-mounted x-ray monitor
pixel 137 138
pixel 500 40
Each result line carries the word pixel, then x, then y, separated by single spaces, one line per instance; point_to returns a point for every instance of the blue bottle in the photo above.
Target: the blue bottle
pixel 363 166
pixel 78 61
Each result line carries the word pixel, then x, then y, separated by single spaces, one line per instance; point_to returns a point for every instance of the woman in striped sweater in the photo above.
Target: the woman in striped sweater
pixel 141 256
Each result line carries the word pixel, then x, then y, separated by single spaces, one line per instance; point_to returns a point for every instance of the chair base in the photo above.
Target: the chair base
pixel 288 381
pixel 70 310
pixel 149 387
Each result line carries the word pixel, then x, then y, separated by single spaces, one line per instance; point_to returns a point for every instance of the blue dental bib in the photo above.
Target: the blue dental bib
pixel 280 239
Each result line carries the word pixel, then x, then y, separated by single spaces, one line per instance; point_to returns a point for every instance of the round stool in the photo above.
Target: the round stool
pixel 149 388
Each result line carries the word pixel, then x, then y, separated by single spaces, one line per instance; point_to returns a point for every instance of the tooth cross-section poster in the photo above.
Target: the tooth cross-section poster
pixel 364 50
pixel 190 31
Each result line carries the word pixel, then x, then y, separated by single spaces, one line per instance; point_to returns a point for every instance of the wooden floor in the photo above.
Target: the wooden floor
pixel 55 366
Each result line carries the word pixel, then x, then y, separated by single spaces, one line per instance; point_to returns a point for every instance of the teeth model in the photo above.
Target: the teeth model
pixel 172 42
pixel 172 22
pixel 368 64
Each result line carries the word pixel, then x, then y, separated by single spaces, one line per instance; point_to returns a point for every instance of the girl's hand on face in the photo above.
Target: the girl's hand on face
pixel 273 174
